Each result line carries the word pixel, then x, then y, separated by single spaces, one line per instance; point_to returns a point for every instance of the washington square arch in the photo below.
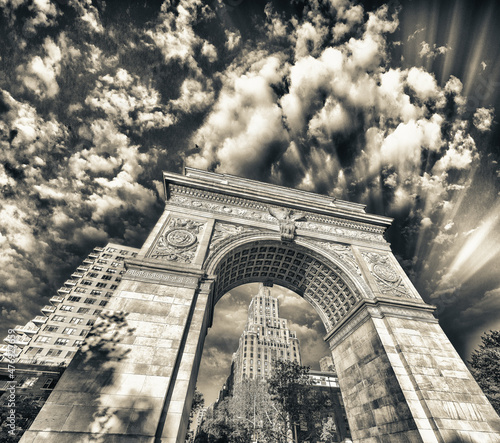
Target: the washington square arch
pixel 400 377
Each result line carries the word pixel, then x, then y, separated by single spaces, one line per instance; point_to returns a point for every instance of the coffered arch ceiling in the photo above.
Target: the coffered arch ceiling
pixel 322 283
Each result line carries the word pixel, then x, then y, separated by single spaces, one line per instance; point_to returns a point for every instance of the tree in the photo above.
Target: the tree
pixel 288 387
pixel 485 367
pixel 196 405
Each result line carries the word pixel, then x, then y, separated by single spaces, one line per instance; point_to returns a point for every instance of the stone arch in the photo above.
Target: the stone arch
pixel 323 280
pixel 401 378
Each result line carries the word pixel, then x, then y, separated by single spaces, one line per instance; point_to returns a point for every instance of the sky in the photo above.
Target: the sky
pixel 393 105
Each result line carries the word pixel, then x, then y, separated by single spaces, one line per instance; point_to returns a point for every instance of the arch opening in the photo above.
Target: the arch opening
pixel 317 279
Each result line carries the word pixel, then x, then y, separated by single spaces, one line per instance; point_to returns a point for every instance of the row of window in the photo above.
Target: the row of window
pixel 88 301
pixel 70 308
pixel 33 350
pixel 121 251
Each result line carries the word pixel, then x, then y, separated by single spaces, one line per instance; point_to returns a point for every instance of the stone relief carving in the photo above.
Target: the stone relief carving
pixel 177 280
pixel 226 231
pixel 255 211
pixel 388 279
pixel 178 242
pixel 286 218
pixel 343 252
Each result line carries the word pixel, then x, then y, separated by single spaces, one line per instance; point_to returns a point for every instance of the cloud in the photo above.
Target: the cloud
pixel 483 119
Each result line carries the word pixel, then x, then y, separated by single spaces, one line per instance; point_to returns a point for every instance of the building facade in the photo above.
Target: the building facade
pixel 265 339
pixel 54 337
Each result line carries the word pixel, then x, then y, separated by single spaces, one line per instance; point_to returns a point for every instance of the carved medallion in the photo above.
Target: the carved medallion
pixel 178 242
pixel 389 281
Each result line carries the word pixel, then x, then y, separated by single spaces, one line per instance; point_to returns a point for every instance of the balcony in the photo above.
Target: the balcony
pixel 4 349
pixel 70 283
pixel 29 329
pixel 82 269
pixel 40 319
pixel 55 300
pixel 98 249
pixel 47 309
pixel 93 256
pixel 18 341
pixel 63 291
pixel 76 275
pixel 87 261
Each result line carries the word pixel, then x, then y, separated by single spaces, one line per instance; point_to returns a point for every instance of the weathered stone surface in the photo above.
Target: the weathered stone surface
pixel 400 377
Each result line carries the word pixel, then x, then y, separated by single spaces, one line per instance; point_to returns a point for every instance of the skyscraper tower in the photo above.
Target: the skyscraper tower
pixel 266 338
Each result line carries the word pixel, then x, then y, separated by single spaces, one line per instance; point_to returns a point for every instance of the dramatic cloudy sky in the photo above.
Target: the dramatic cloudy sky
pixel 388 105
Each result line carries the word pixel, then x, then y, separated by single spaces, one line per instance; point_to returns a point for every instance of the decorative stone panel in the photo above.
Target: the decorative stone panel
pixel 389 281
pixel 325 286
pixel 178 241
pixel 256 211
pixel 343 252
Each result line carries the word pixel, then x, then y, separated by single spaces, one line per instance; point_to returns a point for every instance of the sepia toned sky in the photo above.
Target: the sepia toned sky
pixel 390 105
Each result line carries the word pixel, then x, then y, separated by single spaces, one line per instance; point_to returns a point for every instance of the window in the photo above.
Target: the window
pixel 58 318
pixel 123 252
pixel 94 292
pixel 107 255
pixel 86 282
pixel 90 301
pixel 91 322
pixel 108 294
pixel 83 310
pixel 97 311
pixel 103 262
pixel 111 249
pixel 42 339
pixel 120 258
pixel 97 268
pixel 70 354
pixel 111 271
pixel 73 298
pixel 69 331
pixel 101 285
pixel 92 275
pixel 115 264
pixel 103 303
pixel 49 328
pixel 61 341
pixel 106 277
pixel 83 333
pixel 54 352
pixel 81 290
pixel 33 350
pixel 66 308
pixel 76 320
pixel 78 343
pixel 29 382
pixel 118 279
pixel 134 254
pixel 49 384
pixel 113 287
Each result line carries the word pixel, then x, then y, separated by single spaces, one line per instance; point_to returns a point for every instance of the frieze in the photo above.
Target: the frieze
pixel 343 252
pixel 389 281
pixel 224 232
pixel 178 242
pixel 215 203
pixel 176 280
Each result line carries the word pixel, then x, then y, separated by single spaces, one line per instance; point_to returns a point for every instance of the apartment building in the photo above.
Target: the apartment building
pixel 54 337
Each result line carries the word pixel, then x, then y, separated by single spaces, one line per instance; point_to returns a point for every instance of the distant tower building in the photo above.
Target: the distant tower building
pixel 53 338
pixel 266 338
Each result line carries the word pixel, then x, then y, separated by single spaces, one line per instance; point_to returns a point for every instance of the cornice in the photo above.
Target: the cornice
pixel 268 194
pixel 242 208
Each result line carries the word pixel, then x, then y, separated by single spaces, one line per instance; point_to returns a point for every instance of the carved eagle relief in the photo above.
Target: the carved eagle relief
pixel 286 218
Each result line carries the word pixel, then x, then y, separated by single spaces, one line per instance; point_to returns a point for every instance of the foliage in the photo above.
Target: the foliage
pixel 287 388
pixel 485 367
pixel 26 411
pixel 270 411
pixel 197 403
